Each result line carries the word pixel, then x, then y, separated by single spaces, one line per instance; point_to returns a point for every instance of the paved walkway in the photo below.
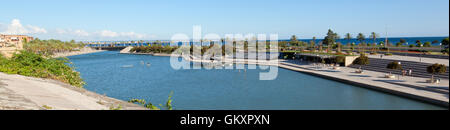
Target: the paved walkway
pixel 21 92
pixel 413 87
pixel 414 59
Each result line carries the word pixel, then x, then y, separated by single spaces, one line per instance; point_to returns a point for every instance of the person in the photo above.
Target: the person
pixel 381 56
pixel 403 73
pixel 410 72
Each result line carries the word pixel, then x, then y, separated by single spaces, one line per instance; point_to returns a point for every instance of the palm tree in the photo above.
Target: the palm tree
pixel 374 36
pixel 313 44
pixel 361 39
pixel 348 37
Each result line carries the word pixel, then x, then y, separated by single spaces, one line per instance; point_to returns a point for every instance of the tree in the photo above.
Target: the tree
pixel 427 44
pixel 361 38
pixel 348 37
pixel 445 42
pixel 398 44
pixel 436 69
pixel 330 38
pixel 394 66
pixel 435 41
pixel 418 43
pixel 403 41
pixel 313 44
pixel 374 37
pixel 361 60
pixel 294 40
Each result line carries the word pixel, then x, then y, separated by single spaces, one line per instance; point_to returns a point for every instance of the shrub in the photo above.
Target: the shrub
pixel 35 65
pixel 436 69
pixel 394 65
pixel 361 60
pixel 340 59
pixel 388 54
pixel 445 51
pixel 427 44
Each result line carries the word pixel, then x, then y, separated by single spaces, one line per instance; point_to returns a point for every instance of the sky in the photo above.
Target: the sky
pixel 86 20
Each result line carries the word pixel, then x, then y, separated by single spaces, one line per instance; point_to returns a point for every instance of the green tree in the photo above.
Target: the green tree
pixel 361 60
pixel 436 69
pixel 361 38
pixel 445 41
pixel 294 40
pixel 403 41
pixel 313 44
pixel 330 38
pixel 348 37
pixel 427 44
pixel 418 43
pixel 394 66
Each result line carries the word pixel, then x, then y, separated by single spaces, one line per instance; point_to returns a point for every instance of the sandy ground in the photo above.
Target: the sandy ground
pixel 27 93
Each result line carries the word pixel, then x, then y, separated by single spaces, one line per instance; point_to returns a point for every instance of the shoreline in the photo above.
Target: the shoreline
pixel 82 51
pixel 417 94
pixel 19 92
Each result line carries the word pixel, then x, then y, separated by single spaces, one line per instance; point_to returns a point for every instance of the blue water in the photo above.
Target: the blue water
pixel 225 89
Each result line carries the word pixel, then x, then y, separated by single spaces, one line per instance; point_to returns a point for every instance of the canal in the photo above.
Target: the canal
pixel 124 77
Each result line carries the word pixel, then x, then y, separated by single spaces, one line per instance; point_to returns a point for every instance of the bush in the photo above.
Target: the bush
pixel 445 51
pixel 340 59
pixel 35 65
pixel 394 65
pixel 388 54
pixel 361 60
pixel 436 69
pixel 427 44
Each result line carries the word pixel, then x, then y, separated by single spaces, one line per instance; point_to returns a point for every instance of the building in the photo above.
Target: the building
pixel 11 43
pixel 14 39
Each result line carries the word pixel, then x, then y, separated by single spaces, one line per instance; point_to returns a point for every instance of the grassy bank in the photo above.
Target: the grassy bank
pixel 36 65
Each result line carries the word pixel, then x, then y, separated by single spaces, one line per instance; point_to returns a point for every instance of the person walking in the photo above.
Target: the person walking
pixel 403 73
pixel 410 72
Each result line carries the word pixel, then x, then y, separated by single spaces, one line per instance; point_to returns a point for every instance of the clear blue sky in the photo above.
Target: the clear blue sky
pixel 160 19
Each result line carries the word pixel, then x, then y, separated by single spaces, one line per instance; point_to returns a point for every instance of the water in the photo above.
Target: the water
pixel 225 89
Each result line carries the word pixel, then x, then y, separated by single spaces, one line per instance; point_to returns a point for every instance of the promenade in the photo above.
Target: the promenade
pixel 411 58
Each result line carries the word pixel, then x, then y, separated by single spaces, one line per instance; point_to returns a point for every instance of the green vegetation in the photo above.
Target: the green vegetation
pixel 119 107
pixel 361 60
pixel 388 54
pixel 445 41
pixel 154 49
pixel 49 47
pixel 47 107
pixel 436 69
pixel 35 65
pixel 331 37
pixel 394 66
pixel 167 106
pixel 419 43
pixel 427 44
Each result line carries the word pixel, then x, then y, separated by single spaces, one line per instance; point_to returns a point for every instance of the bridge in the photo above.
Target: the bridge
pixel 119 46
